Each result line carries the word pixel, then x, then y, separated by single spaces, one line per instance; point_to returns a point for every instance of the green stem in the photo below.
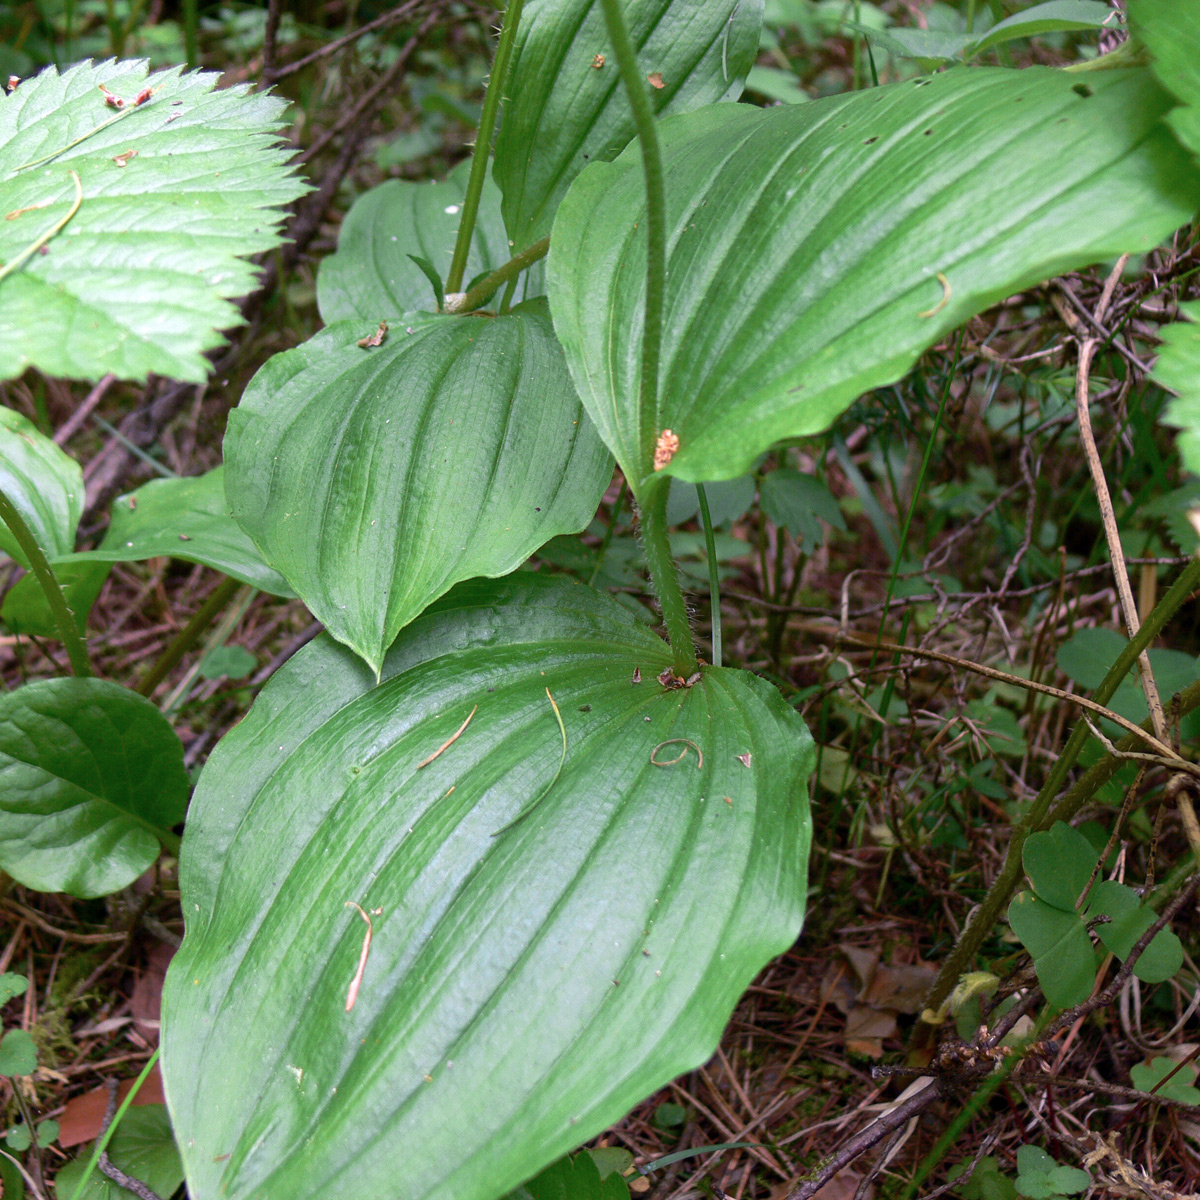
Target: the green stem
pixel 183 641
pixel 656 236
pixel 657 547
pixel 486 288
pixel 714 582
pixel 998 895
pixel 40 566
pixel 483 145
pixel 102 1141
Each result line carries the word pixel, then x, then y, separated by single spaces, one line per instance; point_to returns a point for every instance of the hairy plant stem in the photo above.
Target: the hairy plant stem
pixel 64 619
pixel 487 287
pixel 1041 814
pixel 656 234
pixel 651 493
pixel 656 545
pixel 183 641
pixel 483 145
pixel 714 581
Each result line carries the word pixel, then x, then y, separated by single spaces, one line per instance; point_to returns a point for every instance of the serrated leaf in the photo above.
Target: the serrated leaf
pixel 173 195
pixel 805 244
pixel 44 485
pixel 1054 16
pixel 1059 945
pixel 374 480
pixel 90 775
pixel 185 518
pixel 1059 862
pixel 565 104
pixel 372 276
pixel 143 1146
pixel 1178 368
pixel 799 503
pixel 526 983
pixel 18 1053
pixel 1088 654
pixel 1170 30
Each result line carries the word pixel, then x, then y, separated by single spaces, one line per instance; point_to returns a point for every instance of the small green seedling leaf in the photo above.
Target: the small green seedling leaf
pixel 139 286
pixel 668 1116
pixel 799 503
pixel 91 782
pixel 1148 1076
pixel 987 1182
pixel 227 662
pixel 18 1138
pixel 1061 950
pixel 18 1053
pixel 47 1132
pixel 11 986
pixel 435 281
pixel 576 1177
pixel 1039 1177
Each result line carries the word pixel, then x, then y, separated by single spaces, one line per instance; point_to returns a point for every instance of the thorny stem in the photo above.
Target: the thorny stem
pixel 484 290
pixel 656 231
pixel 64 619
pixel 656 545
pixel 483 145
pixel 986 915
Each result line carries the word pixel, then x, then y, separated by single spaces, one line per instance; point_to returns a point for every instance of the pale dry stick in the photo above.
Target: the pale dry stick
pixel 449 741
pixel 1087 348
pixel 1164 751
pixel 356 982
pixel 72 425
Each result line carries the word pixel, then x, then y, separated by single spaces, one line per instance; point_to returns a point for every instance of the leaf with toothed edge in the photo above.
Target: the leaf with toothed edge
pixel 523 988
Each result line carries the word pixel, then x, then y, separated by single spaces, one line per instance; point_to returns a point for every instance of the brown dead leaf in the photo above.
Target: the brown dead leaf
pixel 146 1002
pixel 900 988
pixel 81 1119
pixel 866 1028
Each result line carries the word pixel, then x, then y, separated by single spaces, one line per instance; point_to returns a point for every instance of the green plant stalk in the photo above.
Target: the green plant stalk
pixel 51 588
pixel 1040 815
pixel 489 284
pixel 483 145
pixel 714 582
pixel 656 236
pixel 103 1140
pixel 656 545
pixel 651 493
pixel 189 634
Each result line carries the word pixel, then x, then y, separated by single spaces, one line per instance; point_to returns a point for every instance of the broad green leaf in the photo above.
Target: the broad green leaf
pixel 18 1054
pixel 1178 368
pixel 376 479
pixel 26 611
pixel 776 84
pixel 173 197
pixel 1059 945
pixel 1055 16
pixel 90 775
pixel 1059 863
pixel 372 277
pixel 1088 655
pixel 44 485
pixel 527 982
pixel 1148 1076
pixel 142 1146
pixel 1130 919
pixel 185 518
pixel 806 243
pixel 10 1179
pixel 1170 30
pixel 565 106
pixel 935 45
